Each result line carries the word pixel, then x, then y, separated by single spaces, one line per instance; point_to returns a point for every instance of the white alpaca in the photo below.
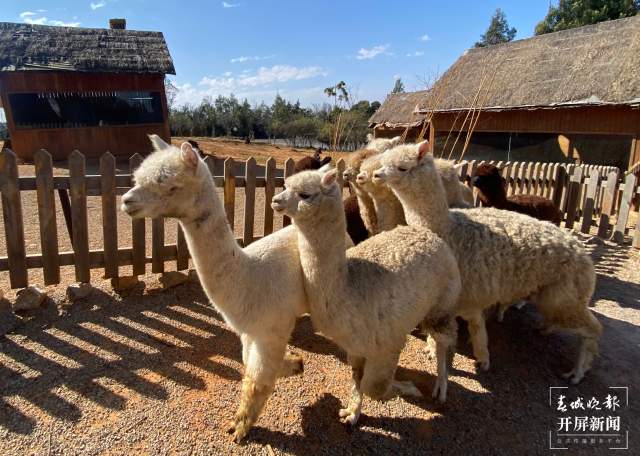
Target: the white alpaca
pixel 370 298
pixel 458 194
pixel 503 256
pixel 258 290
pixel 381 144
pixel 388 209
pixel 365 203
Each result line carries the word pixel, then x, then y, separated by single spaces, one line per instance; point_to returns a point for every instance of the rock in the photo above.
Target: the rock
pixel 173 279
pixel 78 291
pixel 124 283
pixel 30 298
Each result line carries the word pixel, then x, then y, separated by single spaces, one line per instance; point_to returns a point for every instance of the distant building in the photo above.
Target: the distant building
pixel 577 82
pixel 66 88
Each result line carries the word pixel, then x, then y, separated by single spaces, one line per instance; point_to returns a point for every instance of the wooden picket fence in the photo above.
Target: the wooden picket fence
pixel 588 196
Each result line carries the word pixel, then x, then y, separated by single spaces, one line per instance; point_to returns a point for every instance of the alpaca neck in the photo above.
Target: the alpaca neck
pixel 367 210
pixel 321 243
pixel 424 201
pixel 496 199
pixel 214 250
pixel 387 206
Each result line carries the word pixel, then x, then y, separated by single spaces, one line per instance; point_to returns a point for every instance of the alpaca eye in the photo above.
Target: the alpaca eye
pixel 402 170
pixel 173 189
pixel 304 196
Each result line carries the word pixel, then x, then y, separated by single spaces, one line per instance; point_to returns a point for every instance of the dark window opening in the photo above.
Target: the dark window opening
pixel 85 109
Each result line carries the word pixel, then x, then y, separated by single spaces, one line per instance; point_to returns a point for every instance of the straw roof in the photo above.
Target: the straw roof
pixel 586 66
pixel 399 110
pixel 41 47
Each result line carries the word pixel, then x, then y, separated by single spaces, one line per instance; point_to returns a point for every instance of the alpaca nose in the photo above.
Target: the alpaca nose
pixel 128 198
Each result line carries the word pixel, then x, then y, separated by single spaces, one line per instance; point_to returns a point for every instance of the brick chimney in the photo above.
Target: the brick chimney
pixel 117 24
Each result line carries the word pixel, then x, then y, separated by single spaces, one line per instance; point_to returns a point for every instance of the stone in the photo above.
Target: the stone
pixel 173 279
pixel 124 283
pixel 78 291
pixel 29 298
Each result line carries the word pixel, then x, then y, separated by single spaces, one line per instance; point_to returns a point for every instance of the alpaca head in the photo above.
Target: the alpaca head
pixel 402 164
pixel 490 183
pixel 309 194
pixel 167 183
pixel 354 162
pixel 365 176
pixel 382 144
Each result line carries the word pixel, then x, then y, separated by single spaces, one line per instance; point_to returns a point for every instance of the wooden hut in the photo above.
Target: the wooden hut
pixel 582 81
pixel 66 88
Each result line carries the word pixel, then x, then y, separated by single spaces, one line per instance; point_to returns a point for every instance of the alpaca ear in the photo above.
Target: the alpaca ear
pixel 189 154
pixel 329 178
pixel 423 149
pixel 395 141
pixel 157 142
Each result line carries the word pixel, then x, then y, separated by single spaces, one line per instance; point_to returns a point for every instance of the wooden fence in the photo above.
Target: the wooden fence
pixel 589 196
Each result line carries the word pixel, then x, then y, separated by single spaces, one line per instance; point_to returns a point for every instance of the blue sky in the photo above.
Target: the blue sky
pixel 256 49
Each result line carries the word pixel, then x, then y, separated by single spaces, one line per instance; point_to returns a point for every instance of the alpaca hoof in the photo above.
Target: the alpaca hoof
pixel 439 393
pixel 482 365
pixel 239 431
pixel 348 416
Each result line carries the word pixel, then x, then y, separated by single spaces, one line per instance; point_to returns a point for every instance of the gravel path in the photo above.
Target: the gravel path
pixel 151 372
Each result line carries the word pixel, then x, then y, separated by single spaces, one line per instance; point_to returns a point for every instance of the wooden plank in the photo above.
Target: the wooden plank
pixel 157 245
pixel 625 206
pixel 65 205
pixel 78 195
pixel 13 223
pixel 590 200
pixel 608 203
pixel 512 182
pixel 47 217
pixel 636 235
pixel 534 182
pixel 230 191
pixel 550 181
pixel 269 191
pixel 182 259
pixel 138 234
pixel 572 196
pixel 249 200
pixel 109 215
pixel 289 166
pixel 522 177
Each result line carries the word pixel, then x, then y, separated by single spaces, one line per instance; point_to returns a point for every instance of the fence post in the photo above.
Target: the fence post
pixel 269 191
pixel 608 203
pixel 625 206
pixel 138 235
pixel 573 195
pixel 13 225
pixel 557 184
pixel 78 194
pixel 288 171
pixel 109 214
pixel 230 191
pixel 590 200
pixel 249 201
pixel 47 217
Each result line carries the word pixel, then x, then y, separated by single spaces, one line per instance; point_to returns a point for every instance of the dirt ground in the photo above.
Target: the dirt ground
pixel 158 372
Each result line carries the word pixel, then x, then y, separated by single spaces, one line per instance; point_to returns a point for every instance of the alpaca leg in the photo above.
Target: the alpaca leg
pixel 351 413
pixel 264 363
pixel 378 382
pixel 479 340
pixel 246 347
pixel 292 365
pixel 445 341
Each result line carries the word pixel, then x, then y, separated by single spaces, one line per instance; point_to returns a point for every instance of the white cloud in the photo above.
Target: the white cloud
pixel 243 58
pixel 230 5
pixel 425 37
pixel 415 54
pixel 366 54
pixel 29 17
pixel 263 77
pixel 95 6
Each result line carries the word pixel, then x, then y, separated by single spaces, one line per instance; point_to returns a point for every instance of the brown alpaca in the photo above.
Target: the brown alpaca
pixel 314 162
pixel 493 193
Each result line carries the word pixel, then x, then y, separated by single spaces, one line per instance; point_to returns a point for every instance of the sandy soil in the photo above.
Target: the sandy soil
pixel 151 372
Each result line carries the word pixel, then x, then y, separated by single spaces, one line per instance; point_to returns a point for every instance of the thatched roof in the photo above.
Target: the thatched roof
pixel 398 110
pixel 592 65
pixel 41 47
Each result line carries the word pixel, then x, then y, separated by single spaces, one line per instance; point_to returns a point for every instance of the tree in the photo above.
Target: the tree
pixel 498 31
pixel 398 87
pixel 576 13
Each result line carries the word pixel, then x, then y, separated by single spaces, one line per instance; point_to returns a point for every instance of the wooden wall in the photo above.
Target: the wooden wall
pixel 123 140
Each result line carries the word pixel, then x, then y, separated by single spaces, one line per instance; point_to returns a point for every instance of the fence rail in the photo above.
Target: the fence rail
pixel 588 196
